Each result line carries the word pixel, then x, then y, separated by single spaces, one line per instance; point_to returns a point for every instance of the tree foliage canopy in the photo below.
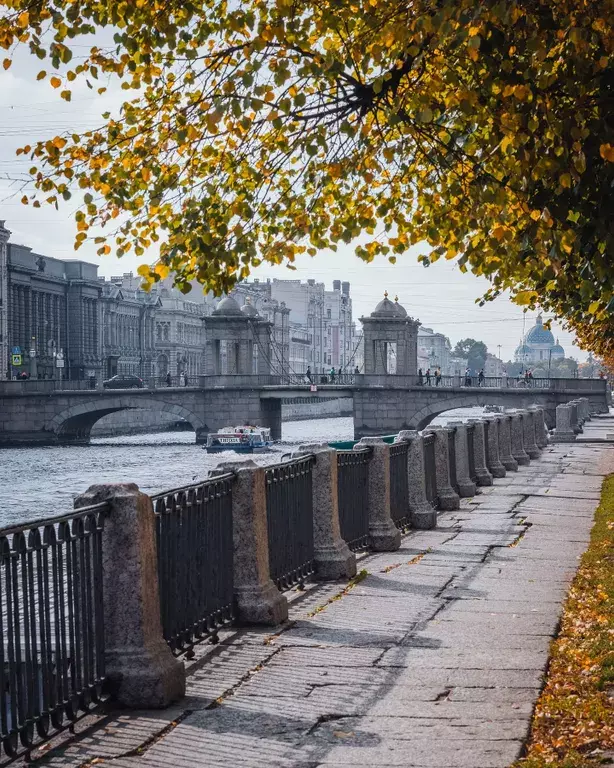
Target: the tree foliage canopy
pixel 482 129
pixel 474 351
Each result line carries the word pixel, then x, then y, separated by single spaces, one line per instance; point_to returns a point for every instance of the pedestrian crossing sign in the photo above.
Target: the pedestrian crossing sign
pixel 16 359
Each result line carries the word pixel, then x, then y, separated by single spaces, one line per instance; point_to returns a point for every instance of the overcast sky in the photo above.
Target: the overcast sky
pixel 440 297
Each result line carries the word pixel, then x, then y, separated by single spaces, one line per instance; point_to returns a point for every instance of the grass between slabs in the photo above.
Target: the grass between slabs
pixel 573 724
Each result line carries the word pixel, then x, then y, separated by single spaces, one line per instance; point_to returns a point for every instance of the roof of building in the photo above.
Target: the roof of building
pixel 558 348
pixel 388 309
pixel 538 334
pixel 228 307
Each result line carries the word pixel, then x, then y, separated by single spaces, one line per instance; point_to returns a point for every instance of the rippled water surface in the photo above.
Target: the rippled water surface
pixel 38 482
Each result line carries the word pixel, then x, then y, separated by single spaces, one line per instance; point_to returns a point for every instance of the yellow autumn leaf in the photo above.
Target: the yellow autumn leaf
pixel 607 152
pixel 55 82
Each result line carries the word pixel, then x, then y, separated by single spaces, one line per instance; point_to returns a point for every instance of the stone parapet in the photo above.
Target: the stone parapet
pixel 383 533
pixel 466 486
pixel 482 473
pixel 517 437
pixel 493 460
pixel 141 670
pixel 423 515
pixel 541 432
pixel 257 599
pixel 528 427
pixel 447 497
pixel 505 442
pixel 564 431
pixel 332 557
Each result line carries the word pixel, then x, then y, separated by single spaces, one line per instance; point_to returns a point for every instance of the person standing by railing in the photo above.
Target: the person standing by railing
pixel 169 380
pixel 308 374
pixel 428 377
pixel 481 378
pixel 420 378
pixel 437 376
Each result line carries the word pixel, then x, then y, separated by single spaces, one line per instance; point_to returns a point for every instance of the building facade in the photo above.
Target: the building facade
pixel 434 351
pixel 52 316
pixel 4 304
pixel 128 330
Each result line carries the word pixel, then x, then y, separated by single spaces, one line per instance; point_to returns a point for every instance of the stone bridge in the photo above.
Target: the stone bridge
pixel 41 413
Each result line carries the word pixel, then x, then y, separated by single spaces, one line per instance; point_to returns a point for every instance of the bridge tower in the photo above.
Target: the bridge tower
pixel 390 339
pixel 236 338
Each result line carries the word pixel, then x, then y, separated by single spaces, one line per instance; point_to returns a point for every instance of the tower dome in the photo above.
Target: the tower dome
pixel 539 335
pixel 227 307
pixel 399 308
pixel 386 309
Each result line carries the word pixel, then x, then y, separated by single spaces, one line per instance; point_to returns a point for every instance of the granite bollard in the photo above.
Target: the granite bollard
pixel 505 442
pixel 491 435
pixel 576 424
pixel 257 599
pixel 332 556
pixel 586 408
pixel 383 533
pixel 423 515
pixel 541 433
pixel 466 486
pixel 517 433
pixel 140 668
pixel 447 497
pixel 563 432
pixel 483 476
pixel 528 434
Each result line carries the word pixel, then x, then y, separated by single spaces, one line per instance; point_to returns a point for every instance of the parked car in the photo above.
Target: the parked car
pixel 123 381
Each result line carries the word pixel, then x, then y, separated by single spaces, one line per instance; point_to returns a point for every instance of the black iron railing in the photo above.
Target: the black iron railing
pixel 471 451
pixel 430 470
pixel 195 562
pixel 289 502
pixel 353 490
pixel 51 625
pixel 452 457
pixel 399 487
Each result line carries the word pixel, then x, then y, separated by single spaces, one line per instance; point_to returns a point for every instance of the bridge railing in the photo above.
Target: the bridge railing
pixel 195 560
pixel 52 666
pixel 289 505
pixel 359 381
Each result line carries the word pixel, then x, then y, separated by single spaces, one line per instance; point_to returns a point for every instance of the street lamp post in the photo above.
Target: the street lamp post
pixel 33 366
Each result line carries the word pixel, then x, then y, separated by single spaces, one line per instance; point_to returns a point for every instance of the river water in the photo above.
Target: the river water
pixel 40 482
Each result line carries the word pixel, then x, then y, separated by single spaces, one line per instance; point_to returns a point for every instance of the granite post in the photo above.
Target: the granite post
pixel 491 434
pixel 142 672
pixel 505 442
pixel 383 533
pixel 576 425
pixel 257 599
pixel 482 474
pixel 517 433
pixel 466 486
pixel 423 515
pixel 541 433
pixel 332 556
pixel 586 408
pixel 564 432
pixel 447 497
pixel 528 427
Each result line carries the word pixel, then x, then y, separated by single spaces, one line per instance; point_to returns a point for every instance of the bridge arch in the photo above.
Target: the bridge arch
pixel 423 417
pixel 74 424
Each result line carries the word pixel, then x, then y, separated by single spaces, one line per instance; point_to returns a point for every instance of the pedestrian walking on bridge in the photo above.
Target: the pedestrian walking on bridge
pixel 437 376
pixel 420 377
pixel 428 377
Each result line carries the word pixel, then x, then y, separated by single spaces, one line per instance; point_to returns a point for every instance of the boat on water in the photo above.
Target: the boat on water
pixel 240 439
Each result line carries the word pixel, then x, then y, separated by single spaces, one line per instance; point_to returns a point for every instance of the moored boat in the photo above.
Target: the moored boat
pixel 240 439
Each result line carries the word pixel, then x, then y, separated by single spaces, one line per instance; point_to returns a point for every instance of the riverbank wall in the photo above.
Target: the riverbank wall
pixel 139 421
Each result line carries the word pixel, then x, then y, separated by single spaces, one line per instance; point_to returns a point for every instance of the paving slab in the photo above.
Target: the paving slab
pixel 434 660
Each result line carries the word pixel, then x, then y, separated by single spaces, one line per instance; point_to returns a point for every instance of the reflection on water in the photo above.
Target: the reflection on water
pixel 37 482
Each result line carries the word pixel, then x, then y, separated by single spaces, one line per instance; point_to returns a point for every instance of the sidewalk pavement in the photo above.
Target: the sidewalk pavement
pixel 434 660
